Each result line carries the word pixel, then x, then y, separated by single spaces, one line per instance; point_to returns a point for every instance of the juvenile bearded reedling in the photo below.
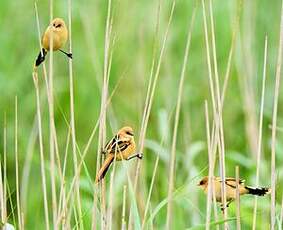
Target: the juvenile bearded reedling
pixel 58 31
pixel 121 147
pixel 230 184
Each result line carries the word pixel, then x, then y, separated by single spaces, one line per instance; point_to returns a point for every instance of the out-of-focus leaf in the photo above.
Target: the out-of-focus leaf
pixel 212 224
pixel 157 149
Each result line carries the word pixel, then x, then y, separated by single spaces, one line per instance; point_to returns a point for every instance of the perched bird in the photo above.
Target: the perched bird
pixel 121 147
pixel 59 34
pixel 230 184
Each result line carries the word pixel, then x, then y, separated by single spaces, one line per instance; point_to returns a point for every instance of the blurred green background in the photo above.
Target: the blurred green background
pixel 134 30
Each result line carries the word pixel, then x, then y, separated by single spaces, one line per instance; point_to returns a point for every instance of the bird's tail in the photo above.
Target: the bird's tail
pixel 104 168
pixel 258 191
pixel 40 57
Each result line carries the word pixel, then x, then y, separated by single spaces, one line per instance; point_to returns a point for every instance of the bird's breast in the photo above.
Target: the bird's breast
pixel 59 39
pixel 130 150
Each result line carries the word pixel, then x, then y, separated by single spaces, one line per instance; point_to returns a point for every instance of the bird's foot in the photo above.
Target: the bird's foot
pixel 138 155
pixel 222 207
pixel 70 55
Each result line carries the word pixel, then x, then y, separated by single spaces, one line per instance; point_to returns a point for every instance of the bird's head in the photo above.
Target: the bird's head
pixel 203 183
pixel 126 133
pixel 58 24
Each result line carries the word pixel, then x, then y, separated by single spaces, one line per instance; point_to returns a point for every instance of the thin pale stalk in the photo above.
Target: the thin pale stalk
pixel 41 150
pixel 176 123
pixel 150 191
pixel 238 207
pixel 219 106
pixel 69 195
pixel 259 145
pixel 11 203
pixel 27 166
pixel 216 110
pixel 111 187
pixel 147 101
pixel 124 225
pixel 142 132
pixel 62 199
pixel 111 199
pixel 149 105
pixel 1 195
pixel 274 124
pixel 233 42
pixel 5 167
pixel 281 216
pixel 72 116
pixel 210 170
pixel 17 166
pixel 102 123
pixel 52 123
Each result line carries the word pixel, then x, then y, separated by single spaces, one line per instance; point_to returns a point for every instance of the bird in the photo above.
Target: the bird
pixel 230 185
pixel 58 31
pixel 121 147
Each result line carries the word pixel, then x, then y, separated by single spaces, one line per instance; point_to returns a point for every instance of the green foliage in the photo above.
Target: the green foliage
pixel 134 31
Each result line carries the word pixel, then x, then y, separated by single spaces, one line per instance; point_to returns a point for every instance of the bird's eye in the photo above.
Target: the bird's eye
pixel 57 26
pixel 129 133
pixel 54 24
pixel 201 183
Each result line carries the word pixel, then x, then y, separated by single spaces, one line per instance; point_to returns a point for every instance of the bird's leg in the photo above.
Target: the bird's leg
pixel 227 205
pixel 138 155
pixel 221 207
pixel 70 55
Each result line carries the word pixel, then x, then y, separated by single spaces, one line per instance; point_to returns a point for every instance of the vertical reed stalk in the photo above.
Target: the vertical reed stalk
pixel 5 168
pixel 238 207
pixel 210 170
pixel 147 107
pixel 41 150
pixel 150 192
pixel 219 136
pixel 274 124
pixel 17 166
pixel 72 117
pixel 1 194
pixel 124 225
pixel 176 123
pixel 52 123
pixel 259 145
pixel 102 120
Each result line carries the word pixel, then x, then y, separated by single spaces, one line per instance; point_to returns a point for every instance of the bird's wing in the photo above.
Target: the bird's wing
pixel 234 179
pixel 108 146
pixel 116 145
pixel 231 182
pixel 119 146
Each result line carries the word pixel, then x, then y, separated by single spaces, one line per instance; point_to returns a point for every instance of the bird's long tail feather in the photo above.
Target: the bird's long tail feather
pixel 258 191
pixel 40 57
pixel 104 168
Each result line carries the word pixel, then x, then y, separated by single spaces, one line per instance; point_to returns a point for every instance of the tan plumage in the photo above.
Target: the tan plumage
pixel 58 31
pixel 121 147
pixel 230 184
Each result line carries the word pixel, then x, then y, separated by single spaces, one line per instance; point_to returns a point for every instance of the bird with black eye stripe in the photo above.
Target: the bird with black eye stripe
pixel 121 147
pixel 59 33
